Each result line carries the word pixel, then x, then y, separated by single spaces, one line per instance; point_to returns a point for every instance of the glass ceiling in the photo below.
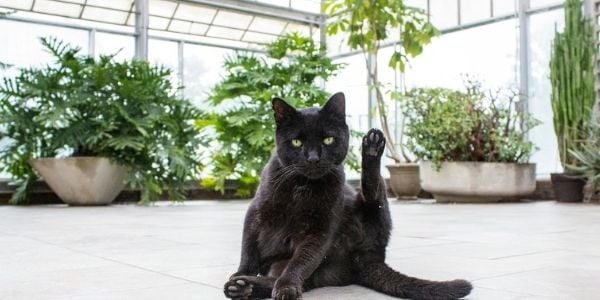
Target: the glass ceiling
pixel 189 17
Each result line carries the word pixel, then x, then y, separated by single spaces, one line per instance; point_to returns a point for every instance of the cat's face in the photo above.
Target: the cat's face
pixel 311 141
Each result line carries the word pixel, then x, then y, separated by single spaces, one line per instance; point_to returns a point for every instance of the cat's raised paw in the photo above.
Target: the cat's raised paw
pixel 373 143
pixel 238 288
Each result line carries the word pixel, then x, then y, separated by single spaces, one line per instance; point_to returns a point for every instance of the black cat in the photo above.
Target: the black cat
pixel 306 228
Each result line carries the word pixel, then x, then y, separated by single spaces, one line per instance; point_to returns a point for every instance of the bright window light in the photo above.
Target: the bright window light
pixel 295 27
pixel 162 8
pixel 180 26
pixel 231 19
pixel 226 33
pixel 444 13
pixel 504 7
pixel 57 8
pixel 255 37
pixel 422 4
pixel 198 28
pixel 267 25
pixel 313 6
pixel 158 23
pixel 104 15
pixel 115 4
pixel 195 13
pixel 22 5
pixel 474 10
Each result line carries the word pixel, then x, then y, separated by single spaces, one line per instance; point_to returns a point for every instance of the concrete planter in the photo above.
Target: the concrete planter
pixel 474 182
pixel 404 180
pixel 82 180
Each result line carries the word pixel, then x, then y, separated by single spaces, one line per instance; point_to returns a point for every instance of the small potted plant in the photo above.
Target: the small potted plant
pixel 573 95
pixel 368 25
pixel 471 144
pixel 88 126
pixel 588 156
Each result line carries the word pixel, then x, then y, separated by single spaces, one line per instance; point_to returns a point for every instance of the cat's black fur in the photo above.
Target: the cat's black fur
pixel 306 228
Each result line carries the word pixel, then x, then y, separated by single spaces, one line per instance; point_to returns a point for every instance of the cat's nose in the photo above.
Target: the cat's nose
pixel 313 157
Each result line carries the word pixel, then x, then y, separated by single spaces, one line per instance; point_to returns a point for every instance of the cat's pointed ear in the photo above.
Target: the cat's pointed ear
pixel 282 110
pixel 336 105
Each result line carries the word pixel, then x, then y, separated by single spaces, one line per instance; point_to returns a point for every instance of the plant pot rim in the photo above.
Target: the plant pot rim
pixel 568 176
pixel 402 164
pixel 70 158
pixel 481 163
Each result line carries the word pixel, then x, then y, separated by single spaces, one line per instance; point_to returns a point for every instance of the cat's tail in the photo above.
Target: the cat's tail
pixel 380 277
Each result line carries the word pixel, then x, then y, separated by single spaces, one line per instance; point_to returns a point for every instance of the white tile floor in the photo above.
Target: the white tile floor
pixel 538 250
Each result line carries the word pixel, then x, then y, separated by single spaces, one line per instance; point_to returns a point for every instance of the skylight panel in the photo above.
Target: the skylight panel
pixel 232 19
pixel 195 13
pixel 57 8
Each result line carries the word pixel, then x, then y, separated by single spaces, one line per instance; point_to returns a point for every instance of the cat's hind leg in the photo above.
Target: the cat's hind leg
pixel 249 287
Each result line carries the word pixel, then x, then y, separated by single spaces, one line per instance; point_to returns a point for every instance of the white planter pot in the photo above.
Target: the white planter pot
pixel 472 182
pixel 82 180
pixel 404 180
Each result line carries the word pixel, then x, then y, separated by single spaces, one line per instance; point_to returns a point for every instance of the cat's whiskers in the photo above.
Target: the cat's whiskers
pixel 282 175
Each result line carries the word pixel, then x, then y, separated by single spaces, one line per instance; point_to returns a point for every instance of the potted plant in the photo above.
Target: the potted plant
pixel 573 95
pixel 471 143
pixel 240 122
pixel 368 24
pixel 588 156
pixel 88 125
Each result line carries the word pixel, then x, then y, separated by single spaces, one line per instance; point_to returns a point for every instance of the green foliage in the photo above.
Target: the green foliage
pixel 79 106
pixel 242 124
pixel 370 22
pixel 573 81
pixel 588 156
pixel 448 125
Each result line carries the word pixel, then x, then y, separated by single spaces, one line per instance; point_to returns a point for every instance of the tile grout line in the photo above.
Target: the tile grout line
pixel 510 274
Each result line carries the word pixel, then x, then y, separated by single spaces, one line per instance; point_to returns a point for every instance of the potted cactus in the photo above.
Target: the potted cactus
pixel 573 96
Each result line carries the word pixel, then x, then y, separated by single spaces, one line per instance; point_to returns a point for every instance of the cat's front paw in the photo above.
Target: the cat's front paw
pixel 287 293
pixel 238 288
pixel 373 144
pixel 287 288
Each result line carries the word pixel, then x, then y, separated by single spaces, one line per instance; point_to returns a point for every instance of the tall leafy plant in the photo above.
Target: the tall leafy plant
pixel 126 111
pixel 241 123
pixel 368 23
pixel 573 81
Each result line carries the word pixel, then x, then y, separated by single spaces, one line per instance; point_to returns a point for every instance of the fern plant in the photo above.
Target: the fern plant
pixel 242 124
pixel 81 106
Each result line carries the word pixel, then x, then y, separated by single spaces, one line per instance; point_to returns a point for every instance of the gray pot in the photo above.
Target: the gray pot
pixel 404 180
pixel 472 182
pixel 82 180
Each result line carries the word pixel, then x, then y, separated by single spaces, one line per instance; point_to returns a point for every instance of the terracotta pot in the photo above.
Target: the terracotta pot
pixel 405 180
pixel 474 182
pixel 567 187
pixel 82 180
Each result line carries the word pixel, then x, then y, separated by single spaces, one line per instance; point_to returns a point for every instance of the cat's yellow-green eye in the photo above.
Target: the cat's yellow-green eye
pixel 328 140
pixel 296 143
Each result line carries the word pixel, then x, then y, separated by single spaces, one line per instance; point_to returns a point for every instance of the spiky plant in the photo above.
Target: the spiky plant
pixel 588 157
pixel 573 81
